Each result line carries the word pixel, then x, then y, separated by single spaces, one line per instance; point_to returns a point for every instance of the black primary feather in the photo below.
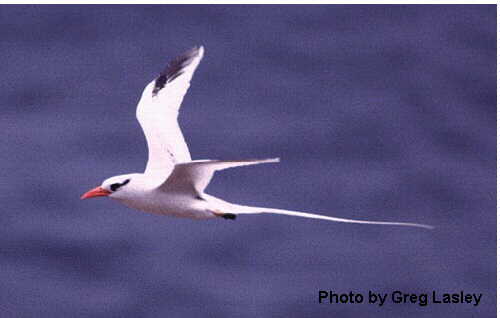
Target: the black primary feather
pixel 174 69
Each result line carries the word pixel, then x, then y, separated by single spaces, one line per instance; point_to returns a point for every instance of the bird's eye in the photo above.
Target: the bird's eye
pixel 116 186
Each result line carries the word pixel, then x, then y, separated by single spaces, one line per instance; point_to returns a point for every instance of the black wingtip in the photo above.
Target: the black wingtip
pixel 175 68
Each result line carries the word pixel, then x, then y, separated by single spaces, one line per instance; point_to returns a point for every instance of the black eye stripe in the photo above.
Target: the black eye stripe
pixel 116 186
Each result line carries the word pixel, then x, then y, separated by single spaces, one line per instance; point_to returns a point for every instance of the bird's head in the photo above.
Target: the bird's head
pixel 114 187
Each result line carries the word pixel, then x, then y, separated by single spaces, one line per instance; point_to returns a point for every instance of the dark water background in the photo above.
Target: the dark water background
pixel 378 112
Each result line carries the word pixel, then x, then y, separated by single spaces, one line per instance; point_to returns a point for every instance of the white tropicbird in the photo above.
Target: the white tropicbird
pixel 172 183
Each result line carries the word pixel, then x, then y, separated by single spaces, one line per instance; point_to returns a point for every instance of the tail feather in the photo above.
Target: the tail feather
pixel 241 209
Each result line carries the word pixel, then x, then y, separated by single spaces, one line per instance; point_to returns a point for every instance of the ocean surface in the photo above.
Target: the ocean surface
pixel 377 112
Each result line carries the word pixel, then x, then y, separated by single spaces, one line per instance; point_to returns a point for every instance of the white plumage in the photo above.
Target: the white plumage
pixel 157 112
pixel 172 183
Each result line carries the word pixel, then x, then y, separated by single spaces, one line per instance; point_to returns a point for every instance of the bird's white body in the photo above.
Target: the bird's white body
pixel 169 203
pixel 172 183
pixel 144 195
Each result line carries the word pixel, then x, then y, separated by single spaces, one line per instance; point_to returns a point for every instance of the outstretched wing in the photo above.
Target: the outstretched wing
pixel 193 177
pixel 158 110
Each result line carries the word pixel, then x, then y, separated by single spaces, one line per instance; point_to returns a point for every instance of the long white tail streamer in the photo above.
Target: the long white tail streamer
pixel 242 209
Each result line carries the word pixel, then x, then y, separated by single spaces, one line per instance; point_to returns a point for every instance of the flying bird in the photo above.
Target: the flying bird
pixel 173 184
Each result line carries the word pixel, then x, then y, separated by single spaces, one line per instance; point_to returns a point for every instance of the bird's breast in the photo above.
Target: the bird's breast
pixel 170 203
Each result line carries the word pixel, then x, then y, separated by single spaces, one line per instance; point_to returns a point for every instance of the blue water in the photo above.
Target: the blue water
pixel 378 112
